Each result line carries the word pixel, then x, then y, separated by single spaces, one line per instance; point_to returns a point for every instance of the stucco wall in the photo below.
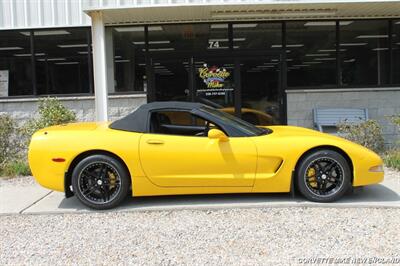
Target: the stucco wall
pixel 119 105
pixel 381 103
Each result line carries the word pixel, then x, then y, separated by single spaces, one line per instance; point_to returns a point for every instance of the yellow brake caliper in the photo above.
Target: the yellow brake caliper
pixel 311 176
pixel 112 178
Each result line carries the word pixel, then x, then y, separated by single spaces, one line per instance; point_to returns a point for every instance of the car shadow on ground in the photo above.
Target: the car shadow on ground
pixel 372 194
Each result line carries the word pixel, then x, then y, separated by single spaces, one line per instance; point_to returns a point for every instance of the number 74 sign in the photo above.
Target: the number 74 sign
pixel 213 44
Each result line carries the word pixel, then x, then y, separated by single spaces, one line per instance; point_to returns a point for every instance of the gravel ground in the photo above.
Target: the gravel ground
pixel 236 236
pixel 391 173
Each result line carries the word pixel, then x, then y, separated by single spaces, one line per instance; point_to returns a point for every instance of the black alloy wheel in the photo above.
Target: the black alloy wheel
pixel 100 182
pixel 323 176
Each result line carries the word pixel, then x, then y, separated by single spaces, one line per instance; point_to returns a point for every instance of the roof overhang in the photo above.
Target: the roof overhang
pixel 215 11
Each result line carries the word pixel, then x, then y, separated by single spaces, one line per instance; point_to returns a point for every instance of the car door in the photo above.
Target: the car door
pixel 196 161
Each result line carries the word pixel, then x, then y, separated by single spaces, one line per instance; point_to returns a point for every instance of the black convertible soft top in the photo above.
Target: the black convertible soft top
pixel 138 120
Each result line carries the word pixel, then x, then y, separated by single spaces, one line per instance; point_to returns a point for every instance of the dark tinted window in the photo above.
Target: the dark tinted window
pixel 129 61
pixel 15 64
pixel 214 82
pixel 62 60
pixel 311 53
pixel 364 52
pixel 260 79
pixel 181 123
pixel 246 128
pixel 257 36
pixel 188 37
pixel 396 52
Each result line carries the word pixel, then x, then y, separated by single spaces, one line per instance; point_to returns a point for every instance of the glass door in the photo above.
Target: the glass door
pixel 247 86
pixel 170 79
pixel 214 82
pixel 261 94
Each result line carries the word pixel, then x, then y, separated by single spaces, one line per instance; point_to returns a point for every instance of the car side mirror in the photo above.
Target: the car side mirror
pixel 217 134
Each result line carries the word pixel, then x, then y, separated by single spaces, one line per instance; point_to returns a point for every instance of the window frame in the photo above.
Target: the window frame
pixel 189 112
pixel 338 85
pixel 230 131
pixel 339 65
pixel 32 57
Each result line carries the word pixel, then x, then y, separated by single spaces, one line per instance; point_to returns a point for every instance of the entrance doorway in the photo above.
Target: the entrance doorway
pixel 261 90
pixel 248 86
pixel 169 80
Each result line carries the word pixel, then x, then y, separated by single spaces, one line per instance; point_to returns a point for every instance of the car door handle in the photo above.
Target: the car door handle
pixel 155 141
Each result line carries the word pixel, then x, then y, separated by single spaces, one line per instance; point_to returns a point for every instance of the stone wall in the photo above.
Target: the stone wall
pixel 381 103
pixel 119 105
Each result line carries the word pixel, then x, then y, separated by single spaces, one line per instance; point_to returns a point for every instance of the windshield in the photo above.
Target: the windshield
pixel 247 128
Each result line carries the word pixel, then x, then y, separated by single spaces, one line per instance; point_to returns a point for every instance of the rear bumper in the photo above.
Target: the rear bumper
pixel 47 173
pixel 50 180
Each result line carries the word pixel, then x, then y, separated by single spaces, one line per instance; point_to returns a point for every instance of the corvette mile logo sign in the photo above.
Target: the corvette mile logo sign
pixel 213 76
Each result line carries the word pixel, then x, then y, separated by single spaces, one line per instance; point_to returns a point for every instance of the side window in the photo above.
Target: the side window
pixel 181 118
pixel 178 123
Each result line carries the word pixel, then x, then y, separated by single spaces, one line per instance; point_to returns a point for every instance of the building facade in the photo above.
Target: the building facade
pixel 268 61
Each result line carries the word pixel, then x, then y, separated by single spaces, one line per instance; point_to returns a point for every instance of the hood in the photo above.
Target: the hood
pixel 292 131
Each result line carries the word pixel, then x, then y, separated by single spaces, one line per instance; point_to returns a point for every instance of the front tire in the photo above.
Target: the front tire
pixel 323 176
pixel 100 182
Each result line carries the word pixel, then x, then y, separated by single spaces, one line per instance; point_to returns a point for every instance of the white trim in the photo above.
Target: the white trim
pixel 45 13
pixel 101 6
pixel 66 6
pixel 342 90
pixel 81 15
pixel 50 28
pixel 39 10
pixel 26 23
pixel 12 14
pixel 53 13
pixel 100 75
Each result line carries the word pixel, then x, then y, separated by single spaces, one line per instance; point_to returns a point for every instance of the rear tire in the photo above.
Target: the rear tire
pixel 100 182
pixel 323 176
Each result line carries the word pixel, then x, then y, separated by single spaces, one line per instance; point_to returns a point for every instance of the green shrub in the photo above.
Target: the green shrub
pixel 15 168
pixel 392 159
pixel 51 113
pixel 8 138
pixel 366 133
pixel 396 120
pixel 14 140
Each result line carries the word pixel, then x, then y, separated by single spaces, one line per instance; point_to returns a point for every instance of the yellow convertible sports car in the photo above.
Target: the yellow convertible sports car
pixel 145 154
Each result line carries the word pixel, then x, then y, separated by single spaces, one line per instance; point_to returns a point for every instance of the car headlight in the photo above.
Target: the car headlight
pixel 378 168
